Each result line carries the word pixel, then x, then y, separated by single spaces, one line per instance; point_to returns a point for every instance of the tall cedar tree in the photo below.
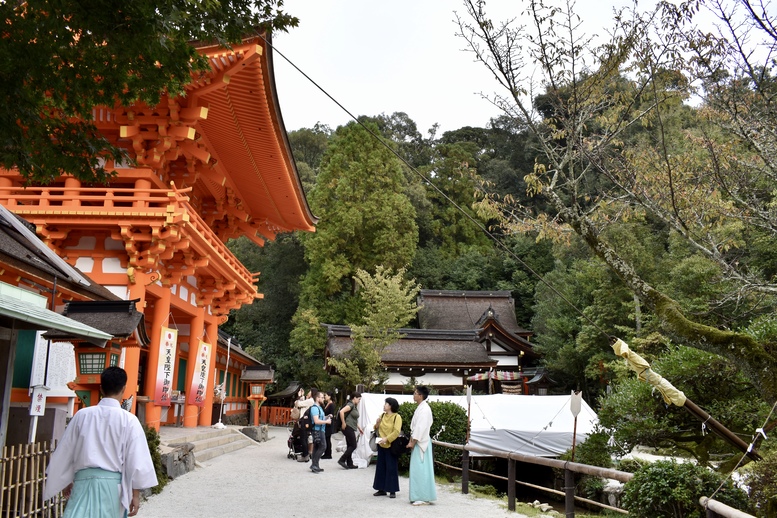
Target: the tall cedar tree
pixel 366 220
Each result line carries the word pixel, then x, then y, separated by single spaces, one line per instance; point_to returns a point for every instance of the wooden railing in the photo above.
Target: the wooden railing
pixel 714 508
pixel 22 473
pixel 717 509
pixel 126 203
pixel 275 415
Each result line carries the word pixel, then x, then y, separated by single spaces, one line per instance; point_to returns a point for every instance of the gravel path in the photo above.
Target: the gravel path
pixel 260 480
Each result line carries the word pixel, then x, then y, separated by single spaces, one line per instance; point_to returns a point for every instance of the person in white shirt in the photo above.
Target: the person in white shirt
pixel 103 460
pixel 422 484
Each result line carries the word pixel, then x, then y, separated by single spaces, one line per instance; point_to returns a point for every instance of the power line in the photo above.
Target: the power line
pixel 466 214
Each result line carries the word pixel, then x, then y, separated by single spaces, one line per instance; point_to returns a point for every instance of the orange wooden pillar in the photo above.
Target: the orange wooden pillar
pixel 196 326
pixel 161 313
pixel 137 290
pixel 212 334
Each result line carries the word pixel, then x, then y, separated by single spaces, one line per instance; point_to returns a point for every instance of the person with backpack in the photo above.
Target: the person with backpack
pixel 329 411
pixel 388 426
pixel 318 432
pixel 349 424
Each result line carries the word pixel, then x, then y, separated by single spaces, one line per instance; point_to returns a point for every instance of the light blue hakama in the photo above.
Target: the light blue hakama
pixel 422 485
pixel 95 494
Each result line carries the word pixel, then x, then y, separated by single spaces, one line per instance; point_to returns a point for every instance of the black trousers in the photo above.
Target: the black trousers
pixel 386 472
pixel 350 445
pixel 328 451
pixel 319 444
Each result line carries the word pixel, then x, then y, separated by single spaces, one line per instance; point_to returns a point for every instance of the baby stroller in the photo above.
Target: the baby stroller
pixel 295 441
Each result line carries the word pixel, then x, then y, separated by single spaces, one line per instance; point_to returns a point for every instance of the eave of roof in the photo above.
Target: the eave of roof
pixel 496 332
pixel 245 132
pixel 119 318
pixel 15 306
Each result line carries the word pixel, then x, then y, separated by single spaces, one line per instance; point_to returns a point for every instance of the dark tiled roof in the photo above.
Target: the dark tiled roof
pixel 235 347
pixel 288 392
pixel 449 309
pixel 21 254
pixel 119 318
pixel 258 373
pixel 421 347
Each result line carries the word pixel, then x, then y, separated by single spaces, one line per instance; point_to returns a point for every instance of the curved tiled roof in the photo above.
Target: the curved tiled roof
pixel 421 347
pixel 451 309
pixel 246 135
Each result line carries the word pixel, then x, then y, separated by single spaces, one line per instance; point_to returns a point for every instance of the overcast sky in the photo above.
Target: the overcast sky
pixel 385 56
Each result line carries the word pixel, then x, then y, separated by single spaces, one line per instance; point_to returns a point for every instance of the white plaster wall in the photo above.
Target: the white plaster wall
pixel 119 291
pixel 113 265
pixel 85 264
pixel 506 360
pixel 430 378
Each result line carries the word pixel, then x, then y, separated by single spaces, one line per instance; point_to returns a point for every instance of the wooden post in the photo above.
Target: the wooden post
pixel 569 490
pixel 465 472
pixel 511 484
pixel 719 429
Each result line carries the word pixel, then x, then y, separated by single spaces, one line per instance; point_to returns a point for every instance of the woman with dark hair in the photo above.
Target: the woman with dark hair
pixel 422 487
pixel 389 426
pixel 329 411
pixel 349 417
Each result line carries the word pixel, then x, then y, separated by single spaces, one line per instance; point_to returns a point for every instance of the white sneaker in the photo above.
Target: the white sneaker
pixel 420 502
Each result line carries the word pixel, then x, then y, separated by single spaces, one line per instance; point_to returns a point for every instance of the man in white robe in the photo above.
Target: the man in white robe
pixel 103 460
pixel 423 490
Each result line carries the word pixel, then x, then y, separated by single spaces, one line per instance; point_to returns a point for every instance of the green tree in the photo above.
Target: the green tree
pixel 634 415
pixel 62 59
pixel 309 145
pixel 263 327
pixel 615 150
pixel 390 304
pixel 366 220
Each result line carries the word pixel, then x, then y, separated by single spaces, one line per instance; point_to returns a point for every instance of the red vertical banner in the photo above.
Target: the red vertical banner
pixel 164 375
pixel 199 387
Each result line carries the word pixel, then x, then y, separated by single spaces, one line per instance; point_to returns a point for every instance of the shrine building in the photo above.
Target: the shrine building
pixel 210 165
pixel 463 338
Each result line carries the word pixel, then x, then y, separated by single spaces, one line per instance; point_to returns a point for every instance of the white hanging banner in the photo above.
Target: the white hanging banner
pixel 199 386
pixel 164 375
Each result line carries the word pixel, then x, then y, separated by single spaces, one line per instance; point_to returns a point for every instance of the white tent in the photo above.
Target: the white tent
pixel 530 425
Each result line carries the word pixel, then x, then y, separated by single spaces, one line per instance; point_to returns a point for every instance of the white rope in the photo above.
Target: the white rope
pixel 758 431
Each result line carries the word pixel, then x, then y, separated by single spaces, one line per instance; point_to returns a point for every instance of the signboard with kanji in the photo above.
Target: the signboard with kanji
pixel 164 377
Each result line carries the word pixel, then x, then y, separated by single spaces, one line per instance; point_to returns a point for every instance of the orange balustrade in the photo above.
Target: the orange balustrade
pixel 275 415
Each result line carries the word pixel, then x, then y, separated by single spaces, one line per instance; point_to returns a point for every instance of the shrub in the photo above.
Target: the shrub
pixel 152 437
pixel 631 465
pixel 670 489
pixel 594 452
pixel 761 478
pixel 449 425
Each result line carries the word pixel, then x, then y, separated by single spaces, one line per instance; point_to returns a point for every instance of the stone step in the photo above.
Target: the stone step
pixel 212 443
pixel 209 453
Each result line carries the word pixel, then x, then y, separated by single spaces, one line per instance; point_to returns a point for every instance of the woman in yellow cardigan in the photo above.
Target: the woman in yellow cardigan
pixel 389 426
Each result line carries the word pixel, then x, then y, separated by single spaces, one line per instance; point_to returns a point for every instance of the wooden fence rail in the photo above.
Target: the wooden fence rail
pixel 22 473
pixel 714 508
pixel 275 415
